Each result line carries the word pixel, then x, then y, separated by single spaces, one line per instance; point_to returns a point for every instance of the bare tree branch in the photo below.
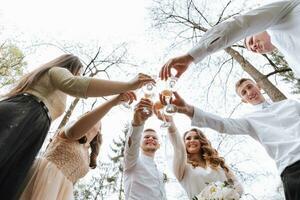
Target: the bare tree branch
pixel 222 13
pixel 214 77
pixel 92 61
pixel 278 71
pixel 199 12
pixel 270 61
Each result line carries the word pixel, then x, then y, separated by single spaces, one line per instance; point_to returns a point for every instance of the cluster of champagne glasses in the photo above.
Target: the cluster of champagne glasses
pixel 166 90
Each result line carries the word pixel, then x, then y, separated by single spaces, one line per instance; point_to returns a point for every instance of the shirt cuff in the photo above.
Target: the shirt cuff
pixel 135 132
pixel 197 117
pixel 198 54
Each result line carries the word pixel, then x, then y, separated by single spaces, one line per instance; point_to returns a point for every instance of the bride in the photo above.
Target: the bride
pixel 196 163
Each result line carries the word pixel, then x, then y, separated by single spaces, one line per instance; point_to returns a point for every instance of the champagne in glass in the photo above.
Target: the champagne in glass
pixel 158 106
pixel 170 109
pixel 167 93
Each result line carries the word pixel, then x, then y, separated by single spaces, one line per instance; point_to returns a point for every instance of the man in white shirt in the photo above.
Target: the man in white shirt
pixel 143 181
pixel 275 125
pixel 274 25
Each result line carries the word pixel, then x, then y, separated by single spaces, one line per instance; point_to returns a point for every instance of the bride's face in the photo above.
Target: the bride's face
pixel 192 142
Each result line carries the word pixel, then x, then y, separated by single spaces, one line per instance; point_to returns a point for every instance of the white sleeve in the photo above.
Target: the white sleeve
pixel 223 125
pixel 180 156
pixel 132 146
pixel 228 32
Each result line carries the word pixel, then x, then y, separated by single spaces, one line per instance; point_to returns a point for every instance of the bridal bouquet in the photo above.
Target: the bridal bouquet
pixel 218 191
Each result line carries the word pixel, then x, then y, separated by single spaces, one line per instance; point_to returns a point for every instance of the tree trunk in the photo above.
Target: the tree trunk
pixel 273 92
pixel 68 113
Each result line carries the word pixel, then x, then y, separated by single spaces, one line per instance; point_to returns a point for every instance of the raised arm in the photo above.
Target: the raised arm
pixel 228 32
pixel 204 119
pixel 84 124
pixel 239 27
pixel 223 125
pixel 85 87
pixel 131 152
pixel 180 156
pixel 133 140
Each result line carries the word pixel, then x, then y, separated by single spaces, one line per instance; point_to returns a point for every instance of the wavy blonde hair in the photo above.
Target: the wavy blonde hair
pixel 209 156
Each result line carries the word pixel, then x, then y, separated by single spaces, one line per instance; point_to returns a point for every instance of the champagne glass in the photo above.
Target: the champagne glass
pixel 172 83
pixel 158 106
pixel 170 109
pixel 149 92
pixel 126 105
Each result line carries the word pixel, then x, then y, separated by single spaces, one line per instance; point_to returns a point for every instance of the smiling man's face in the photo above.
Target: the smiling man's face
pixel 150 141
pixel 250 93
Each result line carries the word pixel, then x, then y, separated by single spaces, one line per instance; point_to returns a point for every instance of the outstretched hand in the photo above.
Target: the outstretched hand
pixel 140 116
pixel 180 64
pixel 181 105
pixel 140 80
pixel 177 101
pixel 126 97
pixel 161 116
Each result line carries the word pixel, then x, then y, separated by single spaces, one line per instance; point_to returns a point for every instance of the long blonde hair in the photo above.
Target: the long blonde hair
pixel 209 155
pixel 68 61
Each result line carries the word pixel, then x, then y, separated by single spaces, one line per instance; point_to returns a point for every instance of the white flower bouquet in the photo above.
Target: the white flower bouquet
pixel 218 191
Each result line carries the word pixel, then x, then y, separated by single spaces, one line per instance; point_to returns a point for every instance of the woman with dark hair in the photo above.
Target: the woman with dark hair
pixel 66 158
pixel 39 98
pixel 196 163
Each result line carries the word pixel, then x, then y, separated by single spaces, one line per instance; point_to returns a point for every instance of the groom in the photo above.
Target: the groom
pixel 143 181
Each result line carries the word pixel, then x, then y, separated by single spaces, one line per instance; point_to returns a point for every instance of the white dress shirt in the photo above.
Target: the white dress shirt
pixel 280 19
pixel 142 179
pixel 276 126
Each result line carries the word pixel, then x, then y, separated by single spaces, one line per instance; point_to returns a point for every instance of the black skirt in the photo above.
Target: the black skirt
pixel 24 124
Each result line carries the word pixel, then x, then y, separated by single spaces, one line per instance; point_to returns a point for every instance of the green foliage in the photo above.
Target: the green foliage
pixel 11 64
pixel 100 186
pixel 282 68
pixel 117 149
pixel 109 176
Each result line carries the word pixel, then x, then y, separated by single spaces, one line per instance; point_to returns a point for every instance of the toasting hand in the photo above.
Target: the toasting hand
pixel 181 105
pixel 140 116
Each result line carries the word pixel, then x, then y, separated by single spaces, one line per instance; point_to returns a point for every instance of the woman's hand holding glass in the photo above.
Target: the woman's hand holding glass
pixel 140 80
pixel 125 98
